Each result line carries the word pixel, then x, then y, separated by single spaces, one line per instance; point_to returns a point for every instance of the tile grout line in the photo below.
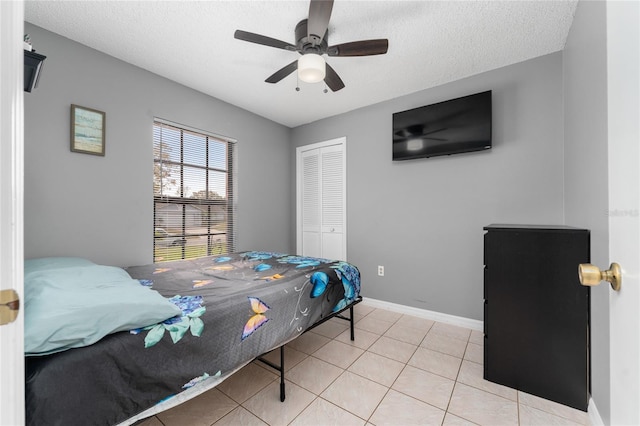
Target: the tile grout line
pixel 455 382
pixel 307 406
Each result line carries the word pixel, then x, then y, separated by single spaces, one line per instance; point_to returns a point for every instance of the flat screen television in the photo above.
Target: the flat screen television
pixel 449 127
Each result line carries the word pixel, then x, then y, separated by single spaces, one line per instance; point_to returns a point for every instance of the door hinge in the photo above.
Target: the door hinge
pixel 9 306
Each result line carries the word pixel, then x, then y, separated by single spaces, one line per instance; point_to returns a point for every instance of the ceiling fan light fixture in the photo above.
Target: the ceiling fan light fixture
pixel 311 68
pixel 415 144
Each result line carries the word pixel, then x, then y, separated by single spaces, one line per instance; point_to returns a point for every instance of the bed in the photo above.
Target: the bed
pixel 216 315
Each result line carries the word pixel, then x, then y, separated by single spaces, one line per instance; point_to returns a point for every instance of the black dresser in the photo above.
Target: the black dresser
pixel 536 313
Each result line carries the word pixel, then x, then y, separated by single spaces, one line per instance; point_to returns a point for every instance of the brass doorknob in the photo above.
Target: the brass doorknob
pixel 9 306
pixel 592 275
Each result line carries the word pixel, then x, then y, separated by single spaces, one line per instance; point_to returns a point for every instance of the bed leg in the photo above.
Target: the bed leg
pixel 282 394
pixel 353 336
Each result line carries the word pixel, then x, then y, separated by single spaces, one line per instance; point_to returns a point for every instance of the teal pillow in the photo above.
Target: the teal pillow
pixel 48 263
pixel 71 304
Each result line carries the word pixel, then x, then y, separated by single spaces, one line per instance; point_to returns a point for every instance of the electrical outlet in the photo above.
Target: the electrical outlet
pixel 380 271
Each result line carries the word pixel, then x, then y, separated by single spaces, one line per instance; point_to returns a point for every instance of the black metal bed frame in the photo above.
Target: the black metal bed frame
pixel 338 314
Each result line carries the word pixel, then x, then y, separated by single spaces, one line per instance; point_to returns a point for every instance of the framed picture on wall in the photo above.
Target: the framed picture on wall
pixel 87 130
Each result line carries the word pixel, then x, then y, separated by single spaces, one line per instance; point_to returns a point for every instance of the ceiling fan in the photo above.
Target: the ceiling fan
pixel 312 41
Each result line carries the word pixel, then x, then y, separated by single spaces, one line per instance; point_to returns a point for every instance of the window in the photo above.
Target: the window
pixel 193 184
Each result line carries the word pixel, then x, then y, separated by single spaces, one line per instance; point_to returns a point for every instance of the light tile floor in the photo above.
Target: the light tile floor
pixel 400 370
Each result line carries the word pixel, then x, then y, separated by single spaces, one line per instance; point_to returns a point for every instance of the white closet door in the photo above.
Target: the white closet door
pixel 321 201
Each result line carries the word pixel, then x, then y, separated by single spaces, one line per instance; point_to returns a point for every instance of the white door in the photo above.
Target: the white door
pixel 11 196
pixel 624 207
pixel 321 199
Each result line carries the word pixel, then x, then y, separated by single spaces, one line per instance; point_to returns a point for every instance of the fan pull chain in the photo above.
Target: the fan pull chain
pixel 298 83
pixel 325 90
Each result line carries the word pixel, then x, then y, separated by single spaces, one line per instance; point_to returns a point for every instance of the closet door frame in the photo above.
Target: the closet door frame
pixel 342 141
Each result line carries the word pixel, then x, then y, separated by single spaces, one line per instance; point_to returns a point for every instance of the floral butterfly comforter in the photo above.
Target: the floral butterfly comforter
pixel 234 308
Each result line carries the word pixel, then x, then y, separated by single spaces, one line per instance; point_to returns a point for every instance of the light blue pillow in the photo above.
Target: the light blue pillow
pixel 48 263
pixel 68 306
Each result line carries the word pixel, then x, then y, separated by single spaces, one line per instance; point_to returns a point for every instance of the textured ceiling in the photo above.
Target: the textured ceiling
pixel 191 42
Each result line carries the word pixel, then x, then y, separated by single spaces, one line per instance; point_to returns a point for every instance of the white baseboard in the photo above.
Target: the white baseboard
pixel 424 313
pixel 594 415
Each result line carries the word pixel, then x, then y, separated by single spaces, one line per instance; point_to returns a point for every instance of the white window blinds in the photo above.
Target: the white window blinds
pixel 193 187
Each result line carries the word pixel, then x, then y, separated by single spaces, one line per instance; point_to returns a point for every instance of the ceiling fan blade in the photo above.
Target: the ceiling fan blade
pixel 417 131
pixel 283 72
pixel 424 134
pixel 332 79
pixel 264 40
pixel 319 15
pixel 360 48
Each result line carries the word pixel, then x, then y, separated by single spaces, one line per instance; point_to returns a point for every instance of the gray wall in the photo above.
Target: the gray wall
pixel 422 219
pixel 102 207
pixel 586 174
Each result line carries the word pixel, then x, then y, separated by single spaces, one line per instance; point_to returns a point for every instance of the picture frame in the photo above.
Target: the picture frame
pixel 88 134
